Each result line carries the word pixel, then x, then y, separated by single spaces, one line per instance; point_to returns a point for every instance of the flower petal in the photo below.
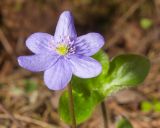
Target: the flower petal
pixel 65 27
pixel 38 62
pixel 59 75
pixel 40 42
pixel 85 67
pixel 89 44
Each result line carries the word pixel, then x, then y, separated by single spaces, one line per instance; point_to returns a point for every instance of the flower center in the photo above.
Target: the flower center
pixel 62 49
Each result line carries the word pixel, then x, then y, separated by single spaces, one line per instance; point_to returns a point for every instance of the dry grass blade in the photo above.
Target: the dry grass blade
pixel 29 120
pixel 10 115
pixel 5 43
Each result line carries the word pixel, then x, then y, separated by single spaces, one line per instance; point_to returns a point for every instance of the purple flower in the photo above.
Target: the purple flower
pixel 63 54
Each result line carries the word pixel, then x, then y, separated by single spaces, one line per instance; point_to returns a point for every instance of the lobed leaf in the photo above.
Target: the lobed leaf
pixel 87 93
pixel 122 72
pixel 83 107
pixel 125 71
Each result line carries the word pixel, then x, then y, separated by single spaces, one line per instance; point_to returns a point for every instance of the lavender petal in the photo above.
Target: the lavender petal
pixel 85 67
pixel 58 76
pixel 65 27
pixel 38 62
pixel 89 44
pixel 40 42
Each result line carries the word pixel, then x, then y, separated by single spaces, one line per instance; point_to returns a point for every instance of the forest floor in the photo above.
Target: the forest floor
pixel 128 27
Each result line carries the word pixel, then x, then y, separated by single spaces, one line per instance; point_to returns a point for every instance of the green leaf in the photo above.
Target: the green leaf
pixel 30 86
pixel 124 123
pixel 83 107
pixel 126 71
pixel 146 23
pixel 156 106
pixel 123 71
pixel 87 93
pixel 146 106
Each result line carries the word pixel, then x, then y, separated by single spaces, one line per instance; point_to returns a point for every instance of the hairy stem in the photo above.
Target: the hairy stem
pixel 71 106
pixel 105 114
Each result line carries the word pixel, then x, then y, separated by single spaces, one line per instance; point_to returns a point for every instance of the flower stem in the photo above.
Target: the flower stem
pixel 71 106
pixel 105 114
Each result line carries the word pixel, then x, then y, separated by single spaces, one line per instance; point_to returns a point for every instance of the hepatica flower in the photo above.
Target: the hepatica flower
pixel 63 54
